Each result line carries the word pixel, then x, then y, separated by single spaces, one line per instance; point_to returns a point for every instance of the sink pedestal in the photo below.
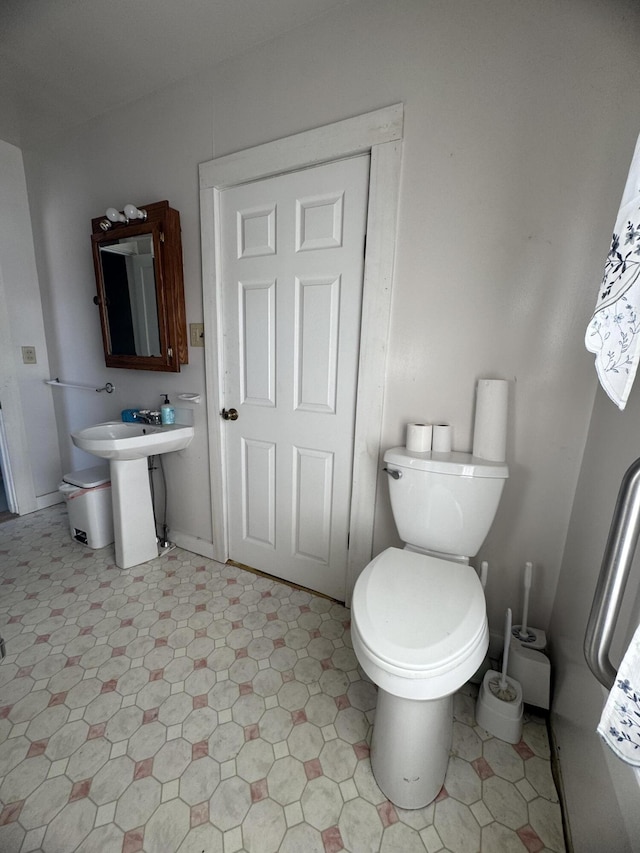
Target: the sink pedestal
pixel 133 523
pixel 127 447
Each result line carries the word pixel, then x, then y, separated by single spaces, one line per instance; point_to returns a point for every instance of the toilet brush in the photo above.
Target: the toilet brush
pixel 521 632
pixel 500 687
pixel 499 706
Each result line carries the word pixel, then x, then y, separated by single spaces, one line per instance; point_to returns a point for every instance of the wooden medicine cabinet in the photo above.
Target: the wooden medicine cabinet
pixel 138 266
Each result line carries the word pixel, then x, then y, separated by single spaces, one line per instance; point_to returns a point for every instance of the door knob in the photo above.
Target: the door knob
pixel 230 415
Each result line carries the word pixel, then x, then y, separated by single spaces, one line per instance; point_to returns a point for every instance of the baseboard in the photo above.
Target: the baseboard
pixel 192 543
pixel 50 499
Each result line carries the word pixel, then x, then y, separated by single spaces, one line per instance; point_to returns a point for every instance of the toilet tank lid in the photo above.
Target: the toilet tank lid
pixel 455 463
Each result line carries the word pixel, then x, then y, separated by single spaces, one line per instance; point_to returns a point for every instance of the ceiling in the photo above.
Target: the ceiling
pixel 63 62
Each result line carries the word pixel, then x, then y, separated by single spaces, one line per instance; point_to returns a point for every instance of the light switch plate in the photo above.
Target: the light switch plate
pixel 196 334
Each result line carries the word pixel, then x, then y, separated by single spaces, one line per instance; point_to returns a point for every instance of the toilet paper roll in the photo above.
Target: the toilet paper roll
pixel 490 428
pixel 419 437
pixel 442 438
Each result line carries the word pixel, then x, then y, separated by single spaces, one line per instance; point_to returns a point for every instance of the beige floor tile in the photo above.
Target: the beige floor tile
pixel 184 706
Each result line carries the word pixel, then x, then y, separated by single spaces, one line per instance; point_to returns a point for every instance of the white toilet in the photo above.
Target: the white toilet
pixel 418 615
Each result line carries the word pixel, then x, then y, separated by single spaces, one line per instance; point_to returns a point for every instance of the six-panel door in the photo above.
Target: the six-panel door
pixel 292 266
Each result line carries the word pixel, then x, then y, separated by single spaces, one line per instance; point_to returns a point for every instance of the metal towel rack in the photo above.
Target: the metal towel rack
pixel 614 572
pixel 109 388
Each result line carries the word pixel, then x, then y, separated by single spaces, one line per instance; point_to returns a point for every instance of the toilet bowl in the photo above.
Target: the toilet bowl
pixel 419 623
pixel 419 629
pixel 418 615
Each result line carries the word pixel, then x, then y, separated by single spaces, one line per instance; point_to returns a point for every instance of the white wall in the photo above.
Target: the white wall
pixel 511 142
pixel 514 159
pixel 144 153
pixel 26 401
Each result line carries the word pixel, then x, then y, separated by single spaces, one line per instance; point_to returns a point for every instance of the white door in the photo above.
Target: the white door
pixel 292 271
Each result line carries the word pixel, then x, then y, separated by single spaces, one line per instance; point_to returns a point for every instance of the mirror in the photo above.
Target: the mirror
pixel 130 295
pixel 138 266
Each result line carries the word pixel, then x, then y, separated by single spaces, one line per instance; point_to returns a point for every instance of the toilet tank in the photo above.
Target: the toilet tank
pixel 444 502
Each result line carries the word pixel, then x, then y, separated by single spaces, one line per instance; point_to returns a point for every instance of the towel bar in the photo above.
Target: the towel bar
pixel 614 572
pixel 109 388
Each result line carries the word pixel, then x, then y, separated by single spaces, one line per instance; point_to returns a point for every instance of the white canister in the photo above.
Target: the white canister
pixel 490 427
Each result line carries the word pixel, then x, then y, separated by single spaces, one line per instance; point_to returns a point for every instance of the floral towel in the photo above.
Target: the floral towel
pixel 613 333
pixel 620 721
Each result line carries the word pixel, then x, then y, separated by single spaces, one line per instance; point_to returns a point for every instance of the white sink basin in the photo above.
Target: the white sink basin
pixel 121 441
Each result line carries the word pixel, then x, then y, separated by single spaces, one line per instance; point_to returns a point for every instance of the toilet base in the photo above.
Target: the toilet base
pixel 410 748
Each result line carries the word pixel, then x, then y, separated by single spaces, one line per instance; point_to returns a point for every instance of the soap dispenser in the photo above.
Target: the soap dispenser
pixel 168 413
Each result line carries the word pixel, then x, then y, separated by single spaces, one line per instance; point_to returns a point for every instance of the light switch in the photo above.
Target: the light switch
pixel 196 334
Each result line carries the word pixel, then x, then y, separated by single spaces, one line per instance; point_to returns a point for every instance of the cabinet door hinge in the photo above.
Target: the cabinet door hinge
pixel 162 236
pixel 170 352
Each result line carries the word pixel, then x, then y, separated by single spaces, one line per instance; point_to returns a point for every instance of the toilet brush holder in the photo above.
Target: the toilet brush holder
pixel 501 717
pixel 532 669
pixel 535 638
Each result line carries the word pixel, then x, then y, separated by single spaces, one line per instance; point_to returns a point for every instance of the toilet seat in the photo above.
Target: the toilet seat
pixel 419 623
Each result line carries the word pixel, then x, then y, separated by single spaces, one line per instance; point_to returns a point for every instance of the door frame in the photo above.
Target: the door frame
pixel 14 446
pixel 379 134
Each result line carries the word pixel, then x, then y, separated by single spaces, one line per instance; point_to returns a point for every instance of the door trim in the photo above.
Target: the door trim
pixel 378 133
pixel 15 446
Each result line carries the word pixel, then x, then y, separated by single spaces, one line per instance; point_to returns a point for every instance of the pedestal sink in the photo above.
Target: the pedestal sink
pixel 127 446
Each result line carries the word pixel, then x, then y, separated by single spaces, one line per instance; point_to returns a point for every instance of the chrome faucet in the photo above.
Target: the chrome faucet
pixel 148 417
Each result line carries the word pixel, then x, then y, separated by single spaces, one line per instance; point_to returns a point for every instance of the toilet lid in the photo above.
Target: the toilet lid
pixel 416 613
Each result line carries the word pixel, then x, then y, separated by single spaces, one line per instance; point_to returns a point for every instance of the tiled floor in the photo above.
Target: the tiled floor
pixel 183 705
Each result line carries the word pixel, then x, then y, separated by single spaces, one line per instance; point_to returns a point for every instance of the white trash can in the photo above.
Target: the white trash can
pixel 87 494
